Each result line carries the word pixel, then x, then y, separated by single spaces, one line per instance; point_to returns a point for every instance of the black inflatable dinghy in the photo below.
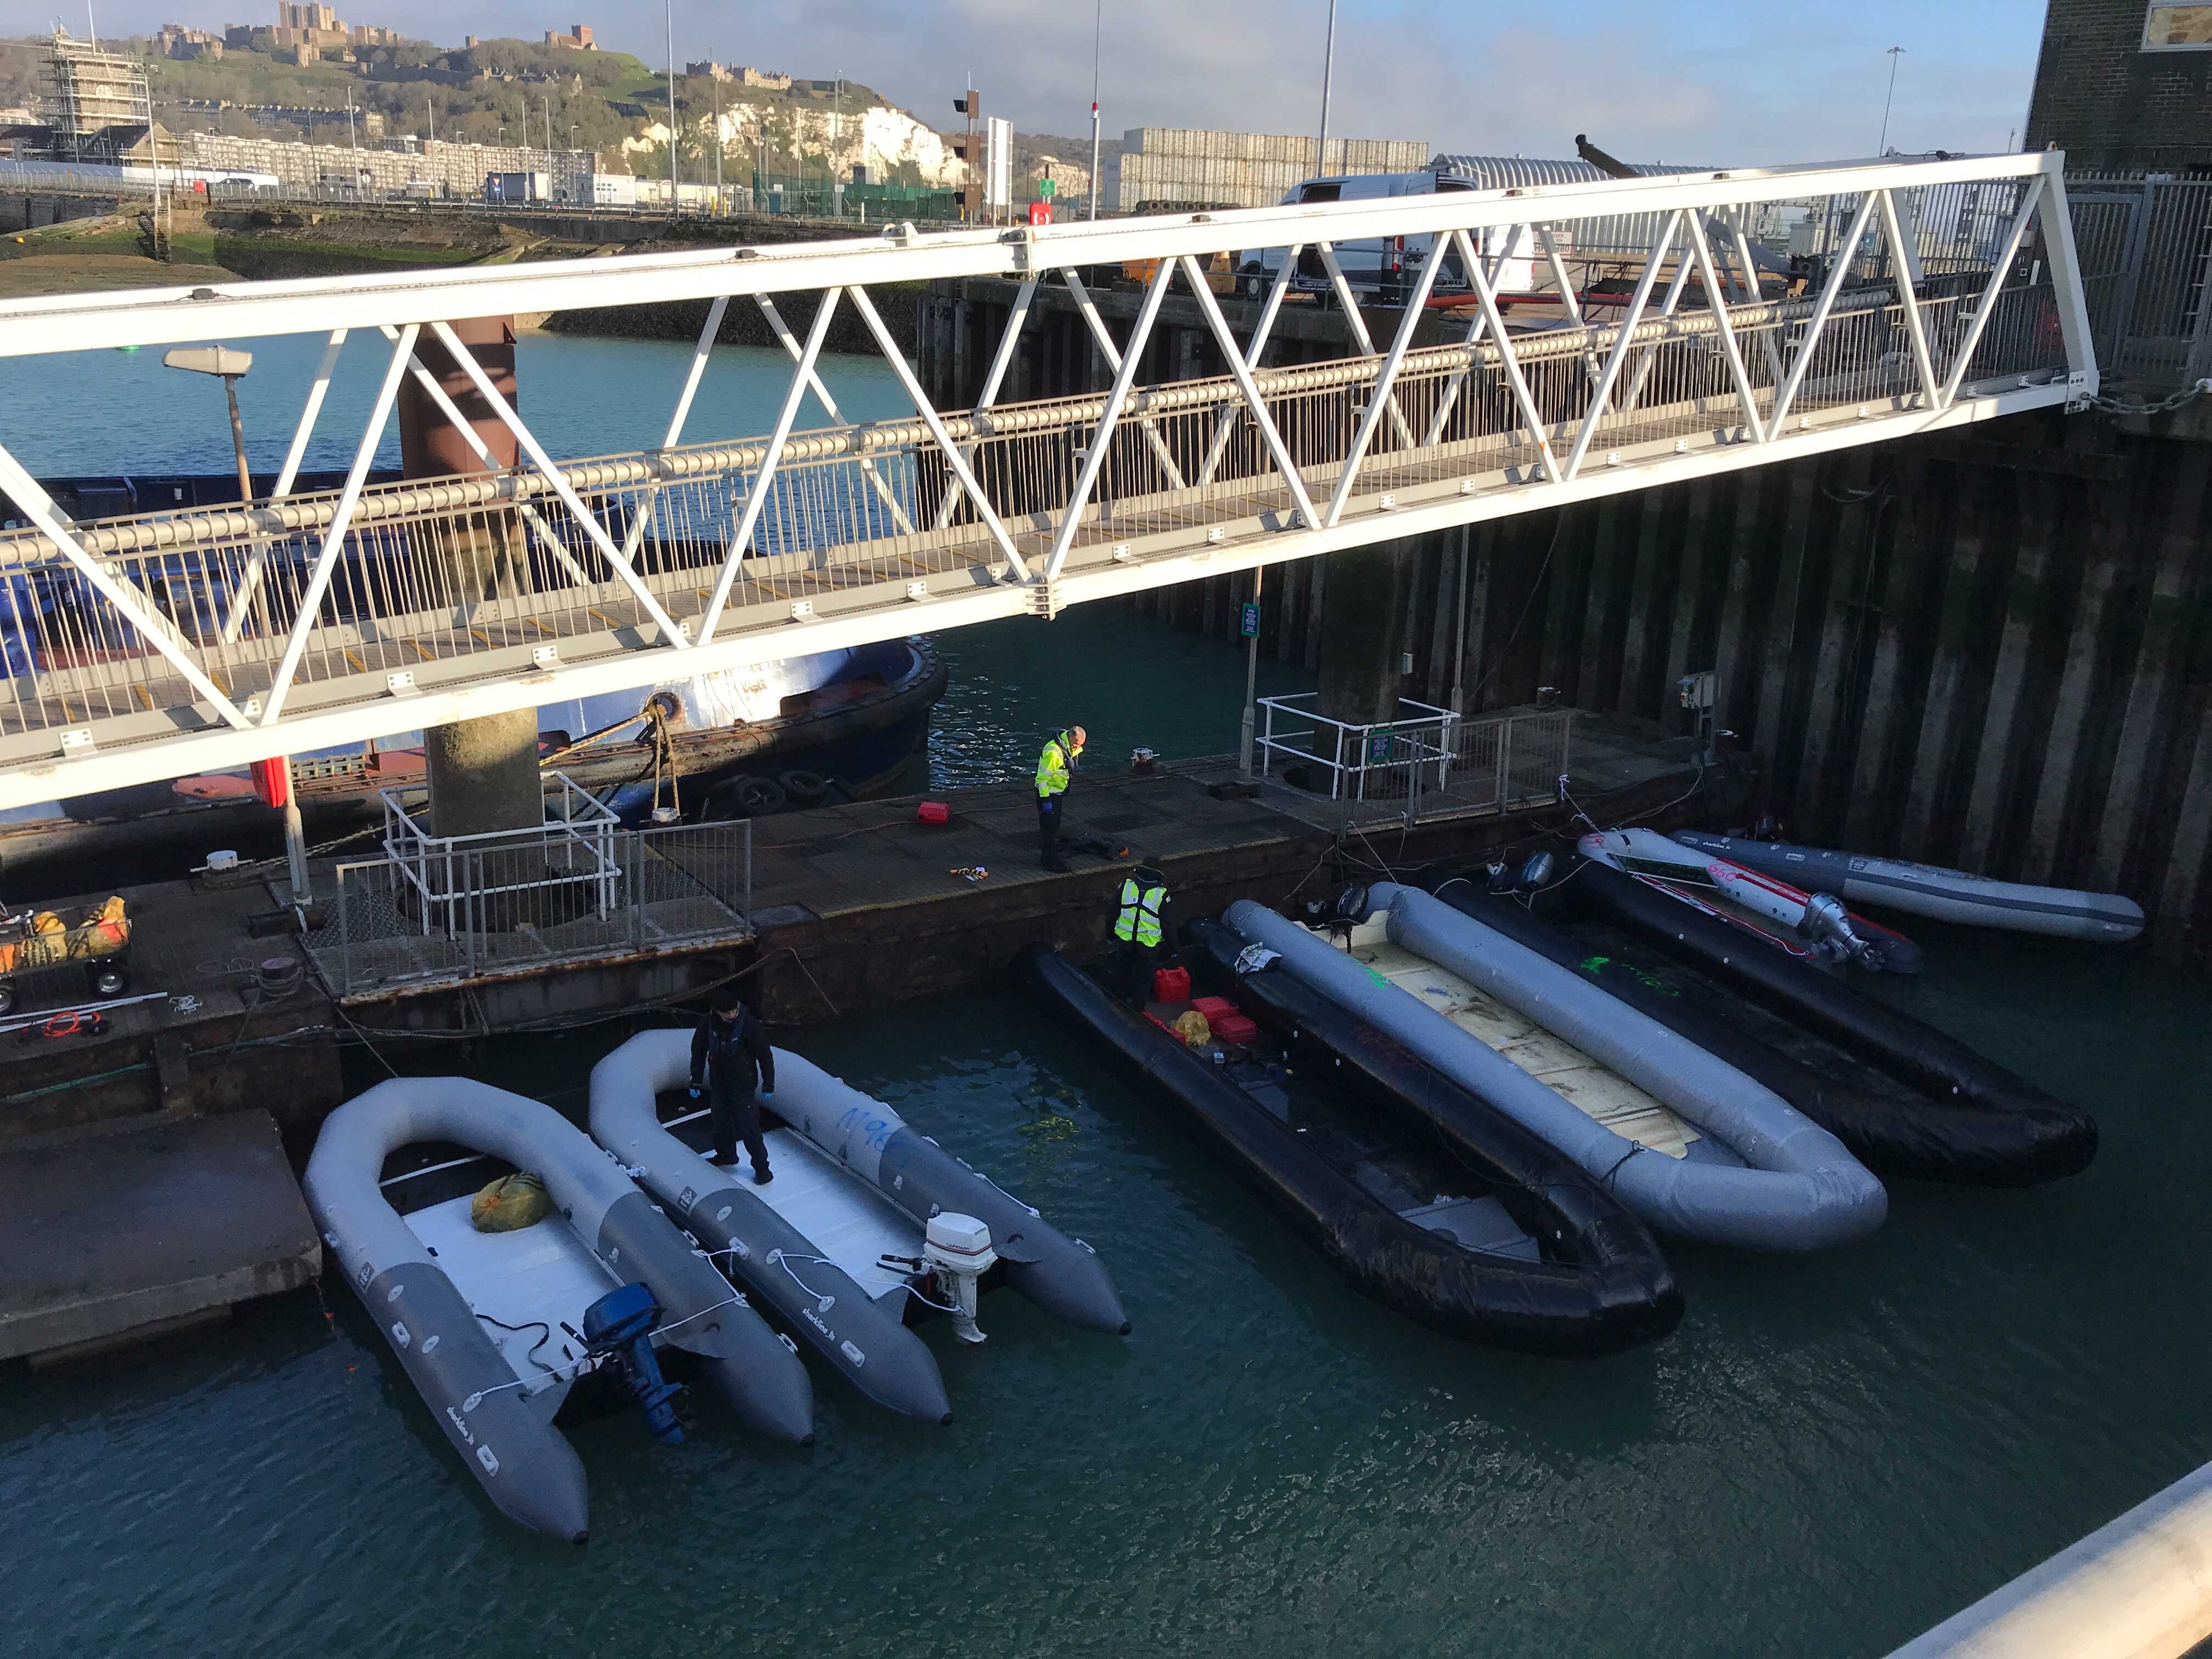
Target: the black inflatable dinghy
pixel 1907 1099
pixel 1428 1200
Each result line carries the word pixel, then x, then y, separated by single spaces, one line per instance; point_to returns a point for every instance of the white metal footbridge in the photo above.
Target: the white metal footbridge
pixel 145 648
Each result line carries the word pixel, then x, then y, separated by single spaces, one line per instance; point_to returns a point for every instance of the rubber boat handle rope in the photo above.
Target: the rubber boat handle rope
pixel 590 1362
pixel 783 1260
pixel 1035 1212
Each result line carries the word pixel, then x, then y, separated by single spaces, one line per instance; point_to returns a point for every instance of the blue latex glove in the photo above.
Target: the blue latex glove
pixel 694 1094
pixel 767 1093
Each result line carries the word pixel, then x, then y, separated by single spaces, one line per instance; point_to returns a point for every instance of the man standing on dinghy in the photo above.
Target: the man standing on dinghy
pixel 730 1054
pixel 1053 768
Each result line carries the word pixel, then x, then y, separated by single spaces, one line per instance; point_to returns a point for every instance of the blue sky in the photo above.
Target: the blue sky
pixel 1726 82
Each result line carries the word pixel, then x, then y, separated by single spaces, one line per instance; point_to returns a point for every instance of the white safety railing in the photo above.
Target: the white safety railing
pixel 142 648
pixel 459 880
pixel 481 906
pixel 1423 762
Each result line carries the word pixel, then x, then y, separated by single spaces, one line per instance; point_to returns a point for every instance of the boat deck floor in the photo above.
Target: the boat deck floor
pixel 848 1224
pixel 1581 1082
pixel 1409 1179
pixel 535 1276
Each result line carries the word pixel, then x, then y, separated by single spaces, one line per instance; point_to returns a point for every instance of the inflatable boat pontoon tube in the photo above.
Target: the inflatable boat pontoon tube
pixel 1426 1198
pixel 1760 1175
pixel 806 1265
pixel 1930 890
pixel 1894 1126
pixel 1882 1035
pixel 430 1283
pixel 1814 926
pixel 864 1141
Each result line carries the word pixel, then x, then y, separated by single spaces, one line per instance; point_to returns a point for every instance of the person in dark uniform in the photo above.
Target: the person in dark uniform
pixel 731 1056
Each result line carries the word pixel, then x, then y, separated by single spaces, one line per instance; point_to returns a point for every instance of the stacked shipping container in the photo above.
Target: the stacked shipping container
pixel 1241 169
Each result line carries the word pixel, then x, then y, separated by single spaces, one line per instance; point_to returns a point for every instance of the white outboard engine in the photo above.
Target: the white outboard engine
pixel 1828 924
pixel 957 1249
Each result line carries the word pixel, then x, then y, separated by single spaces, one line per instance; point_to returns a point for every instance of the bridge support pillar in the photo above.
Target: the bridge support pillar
pixel 1363 630
pixel 483 773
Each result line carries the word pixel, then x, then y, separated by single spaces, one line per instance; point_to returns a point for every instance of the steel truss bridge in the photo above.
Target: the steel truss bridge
pixel 146 648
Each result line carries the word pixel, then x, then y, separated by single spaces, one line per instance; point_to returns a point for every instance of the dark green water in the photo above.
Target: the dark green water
pixel 1831 1454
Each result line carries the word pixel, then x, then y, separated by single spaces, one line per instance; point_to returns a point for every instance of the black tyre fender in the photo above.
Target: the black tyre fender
pixel 746 798
pixel 805 788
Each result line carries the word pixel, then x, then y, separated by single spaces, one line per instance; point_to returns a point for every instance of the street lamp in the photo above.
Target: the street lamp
pixel 1881 147
pixel 230 366
pixel 1097 30
pixel 1328 75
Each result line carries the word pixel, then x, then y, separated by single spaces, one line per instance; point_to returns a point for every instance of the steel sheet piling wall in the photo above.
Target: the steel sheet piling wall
pixel 1991 648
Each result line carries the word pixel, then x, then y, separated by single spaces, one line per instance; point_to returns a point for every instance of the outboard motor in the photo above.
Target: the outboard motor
pixel 957 1249
pixel 621 1323
pixel 1534 873
pixel 1828 924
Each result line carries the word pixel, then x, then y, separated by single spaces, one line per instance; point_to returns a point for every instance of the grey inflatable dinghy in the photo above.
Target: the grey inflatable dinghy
pixel 1690 1144
pixel 877 1220
pixel 1928 889
pixel 490 1327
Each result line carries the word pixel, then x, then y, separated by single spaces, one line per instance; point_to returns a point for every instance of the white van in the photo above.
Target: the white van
pixel 1386 268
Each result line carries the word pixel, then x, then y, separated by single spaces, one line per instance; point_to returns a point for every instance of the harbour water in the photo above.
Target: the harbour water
pixel 1831 1453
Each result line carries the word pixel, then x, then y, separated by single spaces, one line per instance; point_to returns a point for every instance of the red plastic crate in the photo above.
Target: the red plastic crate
pixel 1171 985
pixel 1214 1008
pixel 1233 1028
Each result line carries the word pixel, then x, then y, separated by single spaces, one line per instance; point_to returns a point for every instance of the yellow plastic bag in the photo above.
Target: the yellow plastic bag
pixel 510 1204
pixel 1192 1028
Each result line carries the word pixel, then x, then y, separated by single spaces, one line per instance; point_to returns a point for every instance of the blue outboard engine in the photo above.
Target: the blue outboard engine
pixel 621 1323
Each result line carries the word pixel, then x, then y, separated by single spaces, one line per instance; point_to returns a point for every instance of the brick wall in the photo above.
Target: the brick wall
pixel 2106 102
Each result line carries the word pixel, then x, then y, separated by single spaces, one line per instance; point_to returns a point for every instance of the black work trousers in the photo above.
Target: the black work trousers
pixel 1049 830
pixel 1137 964
pixel 734 1112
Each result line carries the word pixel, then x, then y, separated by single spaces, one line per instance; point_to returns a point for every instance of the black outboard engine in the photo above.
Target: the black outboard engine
pixel 1828 924
pixel 620 1323
pixel 1533 875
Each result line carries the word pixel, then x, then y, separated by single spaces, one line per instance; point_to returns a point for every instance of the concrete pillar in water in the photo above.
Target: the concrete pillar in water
pixel 483 773
pixel 1363 627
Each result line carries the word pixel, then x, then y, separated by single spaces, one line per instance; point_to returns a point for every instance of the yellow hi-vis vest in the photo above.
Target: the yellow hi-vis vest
pixel 1052 766
pixel 1141 914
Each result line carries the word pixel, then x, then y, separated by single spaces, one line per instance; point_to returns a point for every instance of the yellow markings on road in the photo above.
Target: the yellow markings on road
pixel 359 667
pixel 423 650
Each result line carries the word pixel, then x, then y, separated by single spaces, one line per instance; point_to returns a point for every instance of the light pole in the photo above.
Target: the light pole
pixel 1097 28
pixel 1881 147
pixel 229 366
pixel 669 6
pixel 1327 74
